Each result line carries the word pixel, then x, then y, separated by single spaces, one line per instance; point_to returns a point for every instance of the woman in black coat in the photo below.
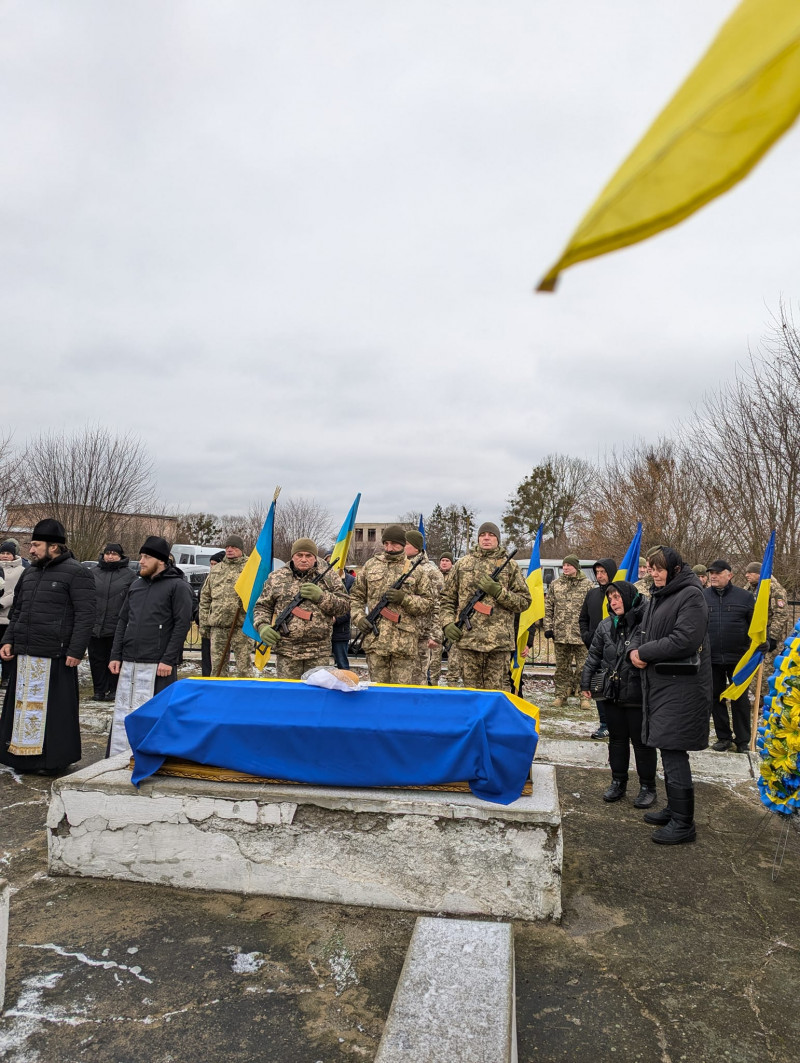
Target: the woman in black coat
pixel 673 655
pixel 609 652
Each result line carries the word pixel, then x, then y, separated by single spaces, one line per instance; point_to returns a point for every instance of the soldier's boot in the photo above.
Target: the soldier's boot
pixel 559 703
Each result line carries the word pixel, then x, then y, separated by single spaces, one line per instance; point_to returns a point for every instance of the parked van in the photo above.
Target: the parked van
pixel 187 554
pixel 551 569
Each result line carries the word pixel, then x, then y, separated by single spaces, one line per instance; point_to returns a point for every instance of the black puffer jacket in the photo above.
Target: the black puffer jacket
pixel 729 614
pixel 54 608
pixel 674 626
pixel 111 581
pixel 592 609
pixel 154 619
pixel 341 625
pixel 613 641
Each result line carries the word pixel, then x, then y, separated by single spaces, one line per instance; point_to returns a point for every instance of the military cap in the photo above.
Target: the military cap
pixel 416 540
pixel 304 546
pixel 394 534
pixel 699 570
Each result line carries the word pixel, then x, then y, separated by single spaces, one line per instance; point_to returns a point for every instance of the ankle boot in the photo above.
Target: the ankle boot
pixel 681 827
pixel 646 797
pixel 616 790
pixel 659 818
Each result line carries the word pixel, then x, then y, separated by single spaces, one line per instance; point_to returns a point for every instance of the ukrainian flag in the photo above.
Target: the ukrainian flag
pixel 422 533
pixel 629 564
pixel 342 546
pixel 251 582
pixel 748 665
pixel 535 610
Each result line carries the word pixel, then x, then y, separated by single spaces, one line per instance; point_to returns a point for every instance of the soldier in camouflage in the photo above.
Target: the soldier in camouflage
pixel 644 584
pixel 562 610
pixel 392 653
pixel 485 651
pixel 779 622
pixel 430 631
pixel 702 574
pixel 435 664
pixel 308 642
pixel 220 606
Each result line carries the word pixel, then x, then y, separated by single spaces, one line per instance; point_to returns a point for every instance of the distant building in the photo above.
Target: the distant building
pixel 89 528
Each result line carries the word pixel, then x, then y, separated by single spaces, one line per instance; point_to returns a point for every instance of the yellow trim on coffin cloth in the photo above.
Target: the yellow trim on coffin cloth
pixel 526 707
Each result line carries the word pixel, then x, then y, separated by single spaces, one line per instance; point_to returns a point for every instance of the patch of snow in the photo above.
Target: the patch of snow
pixel 83 958
pixel 247 962
pixel 29 1015
pixel 343 972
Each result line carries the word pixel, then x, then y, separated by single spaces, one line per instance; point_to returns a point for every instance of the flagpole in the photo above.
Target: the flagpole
pixel 756 708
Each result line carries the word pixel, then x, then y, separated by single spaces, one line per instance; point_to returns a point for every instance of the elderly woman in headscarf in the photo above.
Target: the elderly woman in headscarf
pixel 609 661
pixel 674 659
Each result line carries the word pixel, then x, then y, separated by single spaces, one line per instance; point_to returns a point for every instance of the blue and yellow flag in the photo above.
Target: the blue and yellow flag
pixel 629 564
pixel 748 665
pixel 422 533
pixel 251 582
pixel 342 545
pixel 535 610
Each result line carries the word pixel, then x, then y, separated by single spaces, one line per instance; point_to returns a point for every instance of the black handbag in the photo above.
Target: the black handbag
pixel 605 685
pixel 683 666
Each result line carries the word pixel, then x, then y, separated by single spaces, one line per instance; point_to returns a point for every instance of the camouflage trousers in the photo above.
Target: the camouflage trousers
pixel 454 667
pixel 241 646
pixel 422 663
pixel 485 671
pixel 293 667
pixel 387 668
pixel 568 676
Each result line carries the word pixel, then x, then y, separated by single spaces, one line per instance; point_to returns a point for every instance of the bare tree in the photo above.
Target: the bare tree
pixel 93 481
pixel 297 518
pixel 200 529
pixel 10 475
pixel 555 493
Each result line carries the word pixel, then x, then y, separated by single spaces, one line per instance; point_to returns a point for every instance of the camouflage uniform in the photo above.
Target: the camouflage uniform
pixel 644 586
pixel 435 662
pixel 562 609
pixel 392 653
pixel 486 650
pixel 219 604
pixel 430 628
pixel 779 624
pixel 308 643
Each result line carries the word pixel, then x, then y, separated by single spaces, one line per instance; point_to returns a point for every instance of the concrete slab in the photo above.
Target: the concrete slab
pixel 455 999
pixel 4 895
pixel 707 765
pixel 413 850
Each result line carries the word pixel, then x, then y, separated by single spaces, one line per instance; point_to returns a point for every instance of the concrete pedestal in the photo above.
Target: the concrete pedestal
pixel 419 850
pixel 4 895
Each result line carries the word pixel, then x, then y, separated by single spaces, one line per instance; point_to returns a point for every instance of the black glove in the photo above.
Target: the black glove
pixel 453 633
pixel 395 595
pixel 363 625
pixel 549 634
pixel 490 586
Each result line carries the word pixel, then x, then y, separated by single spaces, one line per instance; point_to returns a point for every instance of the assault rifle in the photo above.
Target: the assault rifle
pixel 473 604
pixel 281 621
pixel 381 608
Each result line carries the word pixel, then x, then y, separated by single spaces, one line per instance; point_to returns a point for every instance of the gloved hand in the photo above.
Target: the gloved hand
pixel 269 636
pixel 453 633
pixel 395 595
pixel 490 586
pixel 363 625
pixel 768 646
pixel 205 632
pixel 549 634
pixel 310 592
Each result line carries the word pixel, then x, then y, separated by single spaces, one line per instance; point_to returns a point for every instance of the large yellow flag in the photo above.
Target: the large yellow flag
pixel 742 95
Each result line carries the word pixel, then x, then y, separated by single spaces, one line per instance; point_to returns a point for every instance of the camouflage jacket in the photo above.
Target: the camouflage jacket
pixel 779 617
pixel 218 598
pixel 431 626
pixel 562 607
pixel 495 631
pixel 644 586
pixel 377 575
pixel 306 638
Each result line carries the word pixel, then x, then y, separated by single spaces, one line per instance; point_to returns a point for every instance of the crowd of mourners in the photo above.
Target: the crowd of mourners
pixel 654 656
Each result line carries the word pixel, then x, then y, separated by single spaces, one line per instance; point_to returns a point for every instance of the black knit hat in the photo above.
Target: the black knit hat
pixel 155 546
pixel 49 531
pixel 217 557
pixel 394 534
pixel 9 547
pixel 114 548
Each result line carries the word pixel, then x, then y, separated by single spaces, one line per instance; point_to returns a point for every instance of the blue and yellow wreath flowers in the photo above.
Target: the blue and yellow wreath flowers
pixel 778 740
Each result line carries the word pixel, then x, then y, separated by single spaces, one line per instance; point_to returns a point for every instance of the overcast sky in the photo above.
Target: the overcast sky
pixel 297 242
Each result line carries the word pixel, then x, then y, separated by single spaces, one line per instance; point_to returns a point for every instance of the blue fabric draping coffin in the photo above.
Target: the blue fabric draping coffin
pixel 384 736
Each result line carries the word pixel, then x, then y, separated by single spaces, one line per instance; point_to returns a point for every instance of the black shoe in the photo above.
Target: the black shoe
pixel 659 819
pixel 108 696
pixel 723 745
pixel 646 797
pixel 616 790
pixel 681 826
pixel 742 747
pixel 601 732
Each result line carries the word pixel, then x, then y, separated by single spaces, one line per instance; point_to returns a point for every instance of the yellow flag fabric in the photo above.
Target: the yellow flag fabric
pixel 739 99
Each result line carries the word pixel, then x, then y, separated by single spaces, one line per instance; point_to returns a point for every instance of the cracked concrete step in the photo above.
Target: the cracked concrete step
pixel 707 765
pixel 455 999
pixel 4 895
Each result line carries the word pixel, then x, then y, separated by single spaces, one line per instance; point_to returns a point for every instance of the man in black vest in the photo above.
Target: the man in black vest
pixel 730 610
pixel 49 627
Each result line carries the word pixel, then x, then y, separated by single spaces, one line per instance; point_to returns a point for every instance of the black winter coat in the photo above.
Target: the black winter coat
pixel 729 614
pixel 54 609
pixel 610 648
pixel 341 625
pixel 675 626
pixel 592 609
pixel 111 581
pixel 154 619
